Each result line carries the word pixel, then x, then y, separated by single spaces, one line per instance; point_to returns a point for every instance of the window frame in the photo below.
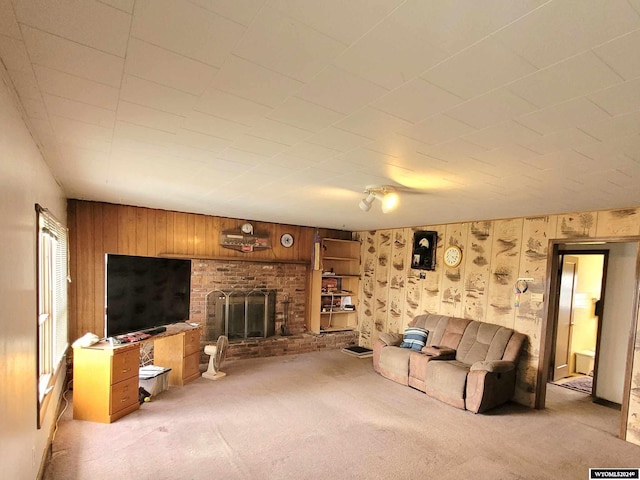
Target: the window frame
pixel 52 276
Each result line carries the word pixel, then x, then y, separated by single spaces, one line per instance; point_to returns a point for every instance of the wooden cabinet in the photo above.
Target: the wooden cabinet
pixel 105 382
pixel 334 286
pixel 180 353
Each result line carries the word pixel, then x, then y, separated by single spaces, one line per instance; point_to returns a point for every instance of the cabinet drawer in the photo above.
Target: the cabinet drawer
pixel 191 342
pixel 125 365
pixel 124 394
pixel 191 365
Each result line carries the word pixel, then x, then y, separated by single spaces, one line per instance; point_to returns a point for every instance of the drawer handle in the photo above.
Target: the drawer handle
pixel 126 370
pixel 124 399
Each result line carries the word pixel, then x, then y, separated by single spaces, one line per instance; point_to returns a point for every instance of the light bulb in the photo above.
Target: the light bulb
pixel 365 203
pixel 389 202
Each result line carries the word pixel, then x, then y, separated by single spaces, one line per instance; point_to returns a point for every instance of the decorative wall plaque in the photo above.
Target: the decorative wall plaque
pixel 243 242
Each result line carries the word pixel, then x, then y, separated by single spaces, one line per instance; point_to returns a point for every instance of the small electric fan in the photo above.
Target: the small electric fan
pixel 217 354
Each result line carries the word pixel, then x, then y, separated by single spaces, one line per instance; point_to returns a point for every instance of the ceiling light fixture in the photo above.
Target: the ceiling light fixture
pixel 386 194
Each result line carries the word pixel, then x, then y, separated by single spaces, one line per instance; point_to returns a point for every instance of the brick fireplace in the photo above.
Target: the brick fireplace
pixel 287 280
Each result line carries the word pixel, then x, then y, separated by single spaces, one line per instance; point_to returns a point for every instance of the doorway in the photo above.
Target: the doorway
pixel 580 302
pixel 617 317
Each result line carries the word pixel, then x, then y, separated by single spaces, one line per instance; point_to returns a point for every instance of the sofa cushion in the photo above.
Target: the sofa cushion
pixel 394 364
pixel 390 338
pixel 415 338
pixel 446 381
pixel 477 343
pixel 436 324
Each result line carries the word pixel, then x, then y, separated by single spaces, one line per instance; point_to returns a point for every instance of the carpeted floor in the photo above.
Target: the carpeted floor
pixel 329 415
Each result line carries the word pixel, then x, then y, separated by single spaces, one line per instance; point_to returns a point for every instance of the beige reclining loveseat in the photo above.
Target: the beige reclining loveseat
pixel 468 364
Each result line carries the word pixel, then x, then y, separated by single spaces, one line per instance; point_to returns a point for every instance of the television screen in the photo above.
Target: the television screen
pixel 145 292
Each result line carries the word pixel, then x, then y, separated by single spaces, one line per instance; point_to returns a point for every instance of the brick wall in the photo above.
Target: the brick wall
pixel 289 280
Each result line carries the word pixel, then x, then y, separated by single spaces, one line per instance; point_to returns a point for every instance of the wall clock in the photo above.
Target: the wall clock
pixel 452 256
pixel 247 228
pixel 286 240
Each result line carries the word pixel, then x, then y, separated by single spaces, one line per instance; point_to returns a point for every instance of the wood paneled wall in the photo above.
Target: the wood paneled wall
pixel 495 254
pixel 96 229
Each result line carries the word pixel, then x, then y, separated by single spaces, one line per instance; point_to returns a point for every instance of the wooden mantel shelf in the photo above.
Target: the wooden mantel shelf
pixel 230 259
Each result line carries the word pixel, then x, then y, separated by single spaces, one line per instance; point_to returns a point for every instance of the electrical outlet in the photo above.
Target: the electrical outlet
pixel 537 297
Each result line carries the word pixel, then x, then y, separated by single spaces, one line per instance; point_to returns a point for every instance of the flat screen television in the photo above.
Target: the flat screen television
pixel 145 292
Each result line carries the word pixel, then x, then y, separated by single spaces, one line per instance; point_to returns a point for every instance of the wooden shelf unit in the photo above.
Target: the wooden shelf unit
pixel 337 277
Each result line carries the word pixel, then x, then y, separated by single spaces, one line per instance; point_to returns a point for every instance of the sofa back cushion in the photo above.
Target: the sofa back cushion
pixel 483 341
pixel 435 324
pixel 453 332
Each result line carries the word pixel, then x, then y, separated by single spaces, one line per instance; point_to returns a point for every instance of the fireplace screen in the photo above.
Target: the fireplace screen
pixel 240 314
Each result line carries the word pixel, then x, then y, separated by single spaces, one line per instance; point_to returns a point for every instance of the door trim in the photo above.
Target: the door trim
pixel 547 331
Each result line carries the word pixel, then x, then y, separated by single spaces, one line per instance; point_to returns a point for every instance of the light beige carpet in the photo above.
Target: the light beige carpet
pixel 328 415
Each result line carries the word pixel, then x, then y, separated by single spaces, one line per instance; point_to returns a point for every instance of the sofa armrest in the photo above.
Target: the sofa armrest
pixel 498 366
pixel 391 339
pixel 439 353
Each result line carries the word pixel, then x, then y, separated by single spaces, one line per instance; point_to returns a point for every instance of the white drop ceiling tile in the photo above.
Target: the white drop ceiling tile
pixel 416 100
pixel 270 171
pixel 151 137
pixel 339 90
pixel 310 151
pixel 35 109
pixel 457 24
pixel 221 165
pixel 371 123
pixel 572 113
pixel 571 78
pixel 494 107
pixel 505 159
pixel 240 11
pixel 437 129
pixel 143 92
pixel 14 54
pixel 478 69
pixel 337 166
pixel 366 158
pixel 26 84
pixel 279 132
pixel 216 126
pixel 8 23
pixel 195 32
pixel 453 149
pixel 75 88
pixel 619 99
pixel 621 54
pixel 83 112
pixel 303 114
pixel 86 22
pixel 567 159
pixel 389 55
pixel 167 68
pixel 69 129
pixel 253 82
pixel 344 21
pixel 124 5
pixel 619 126
pixel 338 139
pixel 148 117
pixel 223 104
pixel 200 140
pixel 397 145
pixel 261 146
pixel 506 133
pixel 243 157
pixel 287 160
pixel 560 140
pixel 287 46
pixel 70 57
pixel 559 30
